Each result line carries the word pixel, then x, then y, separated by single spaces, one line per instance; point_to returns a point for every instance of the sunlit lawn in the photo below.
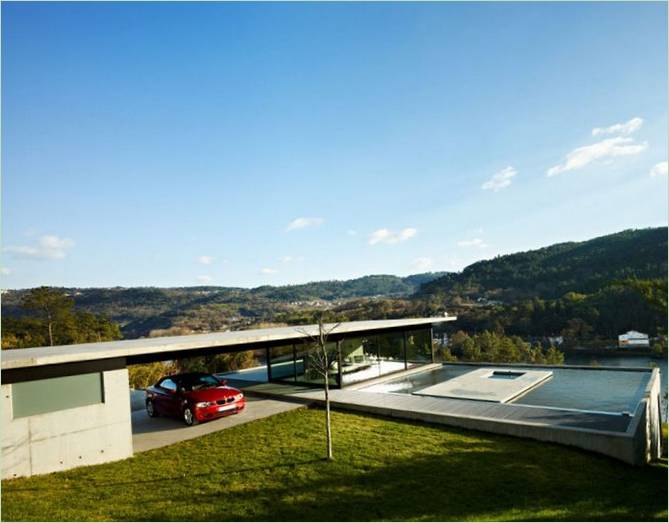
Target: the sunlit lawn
pixel 272 469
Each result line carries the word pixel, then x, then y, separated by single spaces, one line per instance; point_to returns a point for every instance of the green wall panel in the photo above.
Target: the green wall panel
pixel 54 394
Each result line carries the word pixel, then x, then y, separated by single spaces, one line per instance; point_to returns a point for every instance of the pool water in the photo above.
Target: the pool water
pixel 594 390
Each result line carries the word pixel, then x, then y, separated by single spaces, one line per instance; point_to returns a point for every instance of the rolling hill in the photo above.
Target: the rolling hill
pixel 550 272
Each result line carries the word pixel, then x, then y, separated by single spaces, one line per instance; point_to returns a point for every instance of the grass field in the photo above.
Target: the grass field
pixel 272 469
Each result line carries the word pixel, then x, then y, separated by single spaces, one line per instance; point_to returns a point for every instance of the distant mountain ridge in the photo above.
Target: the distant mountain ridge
pixel 140 310
pixel 552 271
pixel 546 273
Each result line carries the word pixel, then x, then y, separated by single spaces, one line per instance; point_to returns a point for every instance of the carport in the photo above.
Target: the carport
pixel 68 406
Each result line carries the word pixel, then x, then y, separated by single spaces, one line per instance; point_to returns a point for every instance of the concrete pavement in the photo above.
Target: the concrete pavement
pixel 152 433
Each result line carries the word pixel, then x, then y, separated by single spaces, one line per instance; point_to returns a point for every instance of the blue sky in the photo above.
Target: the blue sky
pixel 247 144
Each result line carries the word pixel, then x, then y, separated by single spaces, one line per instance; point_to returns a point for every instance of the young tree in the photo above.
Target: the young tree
pixel 320 361
pixel 54 306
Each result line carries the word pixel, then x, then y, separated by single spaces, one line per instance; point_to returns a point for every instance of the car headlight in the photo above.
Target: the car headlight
pixel 238 397
pixel 204 404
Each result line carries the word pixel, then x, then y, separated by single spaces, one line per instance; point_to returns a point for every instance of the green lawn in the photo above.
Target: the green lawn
pixel 272 469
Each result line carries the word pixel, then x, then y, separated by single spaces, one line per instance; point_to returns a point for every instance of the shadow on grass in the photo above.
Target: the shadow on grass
pixel 466 482
pixel 470 475
pixel 165 480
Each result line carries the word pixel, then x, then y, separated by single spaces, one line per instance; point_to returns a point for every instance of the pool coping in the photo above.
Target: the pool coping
pixel 636 443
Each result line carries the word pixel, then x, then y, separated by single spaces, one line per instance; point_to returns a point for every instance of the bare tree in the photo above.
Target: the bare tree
pixel 321 362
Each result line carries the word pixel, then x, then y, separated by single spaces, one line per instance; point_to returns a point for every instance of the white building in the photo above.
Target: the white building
pixel 633 339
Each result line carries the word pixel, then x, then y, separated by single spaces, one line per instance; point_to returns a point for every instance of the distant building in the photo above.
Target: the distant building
pixel 633 339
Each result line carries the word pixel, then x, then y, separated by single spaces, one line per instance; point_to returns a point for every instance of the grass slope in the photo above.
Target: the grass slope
pixel 272 470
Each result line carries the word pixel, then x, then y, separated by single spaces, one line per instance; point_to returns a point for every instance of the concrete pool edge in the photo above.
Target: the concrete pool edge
pixel 636 443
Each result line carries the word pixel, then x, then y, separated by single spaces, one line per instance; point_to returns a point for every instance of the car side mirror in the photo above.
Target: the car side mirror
pixel 224 382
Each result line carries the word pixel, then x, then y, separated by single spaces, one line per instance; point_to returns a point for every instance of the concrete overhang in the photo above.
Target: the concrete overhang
pixel 157 349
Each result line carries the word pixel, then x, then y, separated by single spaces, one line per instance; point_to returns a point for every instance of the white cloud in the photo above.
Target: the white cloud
pixel 608 148
pixel 205 260
pixel 422 264
pixel 5 271
pixel 302 223
pixel 267 270
pixel 390 237
pixel 50 247
pixel 620 128
pixel 288 259
pixel 500 180
pixel 475 242
pixel 659 169
pixel 205 278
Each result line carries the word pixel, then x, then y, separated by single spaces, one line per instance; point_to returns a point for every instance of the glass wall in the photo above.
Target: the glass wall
pixel 391 352
pixel 419 346
pixel 282 364
pixel 309 363
pixel 359 360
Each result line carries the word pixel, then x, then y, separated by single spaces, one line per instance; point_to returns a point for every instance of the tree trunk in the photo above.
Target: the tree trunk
pixel 50 326
pixel 328 426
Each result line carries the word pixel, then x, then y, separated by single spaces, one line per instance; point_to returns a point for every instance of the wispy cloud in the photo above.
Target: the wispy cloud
pixel 49 247
pixel 268 270
pixel 205 260
pixel 289 259
pixel 659 169
pixel 390 237
pixel 500 180
pixel 474 242
pixel 303 223
pixel 5 271
pixel 422 264
pixel 205 278
pixel 624 128
pixel 608 148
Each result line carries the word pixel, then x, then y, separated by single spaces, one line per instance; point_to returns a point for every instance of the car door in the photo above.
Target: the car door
pixel 167 397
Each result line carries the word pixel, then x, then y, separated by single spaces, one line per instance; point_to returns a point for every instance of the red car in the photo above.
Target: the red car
pixel 194 397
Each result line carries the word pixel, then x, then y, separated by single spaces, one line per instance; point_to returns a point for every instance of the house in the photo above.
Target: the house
pixel 633 339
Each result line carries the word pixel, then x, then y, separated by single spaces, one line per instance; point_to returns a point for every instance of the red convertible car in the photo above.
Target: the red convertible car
pixel 194 397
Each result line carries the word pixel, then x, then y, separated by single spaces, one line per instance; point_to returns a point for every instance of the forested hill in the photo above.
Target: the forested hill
pixel 140 310
pixel 552 271
pixel 374 285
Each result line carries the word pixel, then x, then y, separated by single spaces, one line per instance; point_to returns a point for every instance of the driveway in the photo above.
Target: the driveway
pixel 152 433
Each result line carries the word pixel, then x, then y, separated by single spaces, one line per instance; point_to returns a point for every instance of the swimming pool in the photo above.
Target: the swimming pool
pixel 601 390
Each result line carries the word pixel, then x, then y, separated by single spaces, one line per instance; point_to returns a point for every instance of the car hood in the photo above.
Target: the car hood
pixel 213 394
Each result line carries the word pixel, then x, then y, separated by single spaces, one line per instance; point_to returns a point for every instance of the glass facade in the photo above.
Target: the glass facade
pixel 391 352
pixel 282 363
pixel 352 359
pixel 359 360
pixel 419 346
pixel 310 364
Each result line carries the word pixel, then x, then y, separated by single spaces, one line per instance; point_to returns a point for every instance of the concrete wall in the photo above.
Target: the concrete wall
pixel 653 422
pixel 68 438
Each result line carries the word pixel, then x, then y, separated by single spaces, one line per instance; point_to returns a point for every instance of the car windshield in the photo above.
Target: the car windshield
pixel 204 381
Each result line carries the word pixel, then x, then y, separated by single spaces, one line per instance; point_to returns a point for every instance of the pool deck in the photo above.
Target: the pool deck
pixel 398 404
pixel 627 437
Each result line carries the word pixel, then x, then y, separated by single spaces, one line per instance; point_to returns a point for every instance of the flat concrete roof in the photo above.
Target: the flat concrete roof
pixel 38 356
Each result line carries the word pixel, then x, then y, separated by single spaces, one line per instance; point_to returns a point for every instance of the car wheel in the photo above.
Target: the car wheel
pixel 151 409
pixel 188 417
